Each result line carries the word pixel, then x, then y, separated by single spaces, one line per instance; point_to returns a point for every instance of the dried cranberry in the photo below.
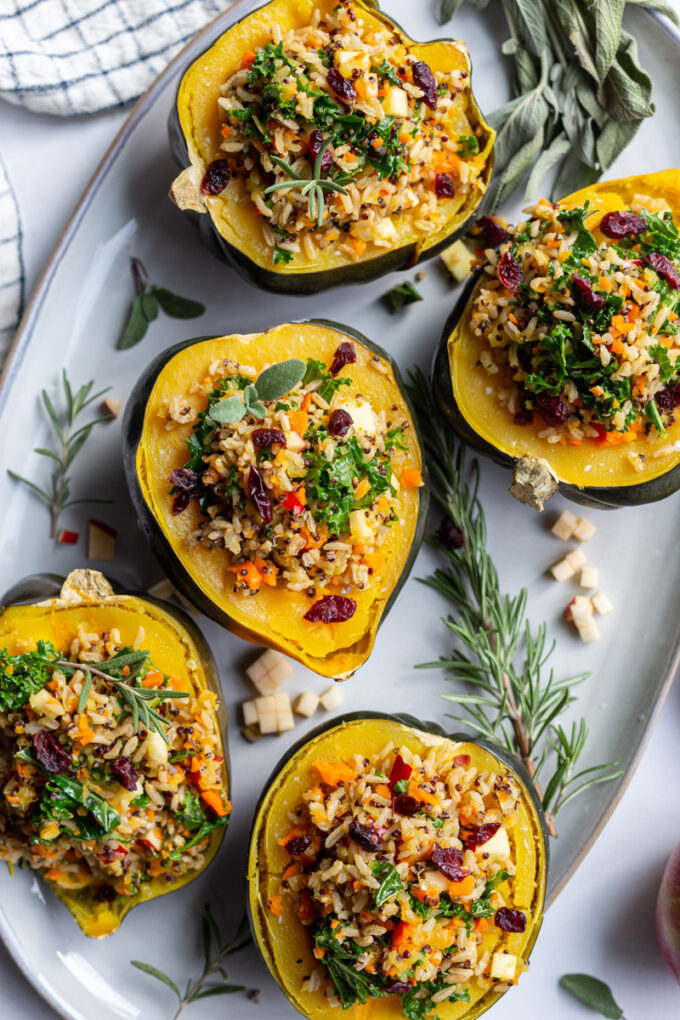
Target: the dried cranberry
pixel 316 140
pixel 444 186
pixel 462 759
pixel 493 233
pixel 622 224
pixel 266 437
pixel 258 494
pixel 124 771
pixel 105 894
pixel 481 834
pixel 584 295
pixel 365 837
pixel 339 422
pixel 425 80
pixel 553 409
pixel 345 355
pixel 450 863
pixel 405 804
pixel 523 416
pixel 510 920
pixel 667 400
pixel 49 752
pixel 342 86
pixel 331 609
pixel 180 503
pixel 449 536
pixel 216 177
pixel 397 988
pixel 663 265
pixel 510 272
pixel 190 487
pixel 297 846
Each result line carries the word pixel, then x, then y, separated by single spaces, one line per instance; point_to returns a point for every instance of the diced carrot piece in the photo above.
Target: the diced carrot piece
pixel 248 59
pixel 154 678
pixel 298 830
pixel 375 561
pixel 421 795
pixel 362 488
pixel 384 791
pixel 306 401
pixel 156 868
pixel 358 245
pixel 411 478
pixel 299 421
pixel 306 911
pixel 225 131
pixel 214 801
pixel 334 772
pixel 275 904
pixel 268 571
pixel 463 888
pixel 481 924
pixel 247 572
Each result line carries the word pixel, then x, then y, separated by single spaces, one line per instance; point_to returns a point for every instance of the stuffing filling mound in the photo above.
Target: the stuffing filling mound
pixel 399 865
pixel 577 319
pixel 94 791
pixel 341 135
pixel 297 477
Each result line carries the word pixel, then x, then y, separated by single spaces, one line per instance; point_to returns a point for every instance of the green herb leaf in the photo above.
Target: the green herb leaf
pixel 176 306
pixel 593 993
pixel 402 294
pixel 191 815
pixel 158 974
pixel 279 379
pixel 149 303
pixel 253 405
pixel 353 986
pixel 100 809
pixel 136 327
pixel 24 675
pixel 228 411
pixel 391 882
pixel 401 786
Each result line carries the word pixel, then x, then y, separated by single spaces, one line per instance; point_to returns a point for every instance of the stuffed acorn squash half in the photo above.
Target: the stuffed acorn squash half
pixel 396 871
pixel 320 145
pixel 561 359
pixel 279 479
pixel 113 769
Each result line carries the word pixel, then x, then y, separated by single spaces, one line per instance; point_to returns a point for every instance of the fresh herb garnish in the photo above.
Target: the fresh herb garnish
pixel 390 883
pixel 514 701
pixel 402 294
pixel 282 256
pixel 214 960
pixel 387 72
pixel 329 383
pixel 468 145
pixel 594 993
pixel 272 383
pixel 314 188
pixel 401 786
pixel 100 809
pixel 330 484
pixel 70 443
pixel 353 986
pixel 148 298
pixel 191 815
pixel 24 675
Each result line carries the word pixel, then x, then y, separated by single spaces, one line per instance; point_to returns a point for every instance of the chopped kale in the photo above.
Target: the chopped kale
pixel 24 675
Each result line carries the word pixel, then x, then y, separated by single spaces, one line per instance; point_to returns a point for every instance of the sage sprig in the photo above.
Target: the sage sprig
pixel 593 993
pixel 148 299
pixel 271 384
pixel 215 952
pixel 510 693
pixel 313 188
pixel 70 441
pixel 580 92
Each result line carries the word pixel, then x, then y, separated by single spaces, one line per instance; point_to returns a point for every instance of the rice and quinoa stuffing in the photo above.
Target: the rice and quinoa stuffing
pixel 577 321
pixel 300 492
pixel 398 865
pixel 89 796
pixel 392 141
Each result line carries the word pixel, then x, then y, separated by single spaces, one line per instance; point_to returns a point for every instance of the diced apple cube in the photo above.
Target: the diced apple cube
pixel 579 611
pixel 589 632
pixel 584 529
pixel 589 577
pixel 267 714
pixel 458 260
pixel 503 966
pixel 161 590
pixel 269 671
pixel 385 229
pixel 601 603
pixel 576 559
pixel 250 716
pixel 359 527
pixel 395 102
pixel 562 570
pixel 332 698
pixel 112 405
pixel 101 541
pixel 496 848
pixel 307 704
pixel 564 525
pixel 362 415
pixel 285 721
pixel 294 442
pixel 67 537
pixel 348 61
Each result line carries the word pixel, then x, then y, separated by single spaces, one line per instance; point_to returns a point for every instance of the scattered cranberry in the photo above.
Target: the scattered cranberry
pixel 339 422
pixel 262 438
pixel 510 272
pixel 664 267
pixel 180 503
pixel 124 771
pixel 424 79
pixel 450 863
pixel 584 295
pixel 667 400
pixel 258 494
pixel 444 186
pixel 105 894
pixel 553 409
pixel 342 86
pixel 297 846
pixel 405 804
pixel 365 837
pixel 481 834
pixel 216 177
pixel 396 988
pixel 510 920
pixel 316 140
pixel 331 609
pixel 345 355
pixel 493 234
pixel 49 752
pixel 622 224
pixel 523 416
pixel 449 536
pixel 190 487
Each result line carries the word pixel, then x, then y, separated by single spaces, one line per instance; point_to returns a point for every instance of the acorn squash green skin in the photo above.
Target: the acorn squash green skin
pixel 314 282
pixel 100 919
pixel 597 497
pixel 166 554
pixel 257 833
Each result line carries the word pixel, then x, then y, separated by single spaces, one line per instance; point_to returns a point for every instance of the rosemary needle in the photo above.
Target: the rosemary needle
pixel 312 188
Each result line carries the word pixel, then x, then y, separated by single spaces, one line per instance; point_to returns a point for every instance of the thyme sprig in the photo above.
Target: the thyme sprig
pixel 512 696
pixel 312 188
pixel 213 964
pixel 70 443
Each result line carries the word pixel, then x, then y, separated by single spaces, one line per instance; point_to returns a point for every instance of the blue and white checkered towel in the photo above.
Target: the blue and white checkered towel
pixel 70 57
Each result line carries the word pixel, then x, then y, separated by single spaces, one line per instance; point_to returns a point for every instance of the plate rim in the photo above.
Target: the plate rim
pixel 19 347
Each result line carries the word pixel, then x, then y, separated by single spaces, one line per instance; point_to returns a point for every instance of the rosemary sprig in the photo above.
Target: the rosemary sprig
pixel 513 697
pixel 312 188
pixel 70 443
pixel 213 966
pixel 136 698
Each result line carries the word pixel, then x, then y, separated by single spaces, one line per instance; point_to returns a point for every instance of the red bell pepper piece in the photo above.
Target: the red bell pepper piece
pixel 400 770
pixel 291 502
pixel 601 438
pixel 462 759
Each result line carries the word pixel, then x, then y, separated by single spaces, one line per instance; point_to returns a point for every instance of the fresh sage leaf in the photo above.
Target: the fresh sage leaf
pixel 593 993
pixel 136 326
pixel 277 380
pixel 608 17
pixel 149 303
pixel 664 8
pixel 176 306
pixel 402 294
pixel 228 411
pixel 391 882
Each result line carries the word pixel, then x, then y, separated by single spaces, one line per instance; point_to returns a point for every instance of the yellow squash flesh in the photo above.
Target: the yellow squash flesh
pixel 590 465
pixel 286 943
pixel 233 215
pixel 172 650
pixel 274 616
